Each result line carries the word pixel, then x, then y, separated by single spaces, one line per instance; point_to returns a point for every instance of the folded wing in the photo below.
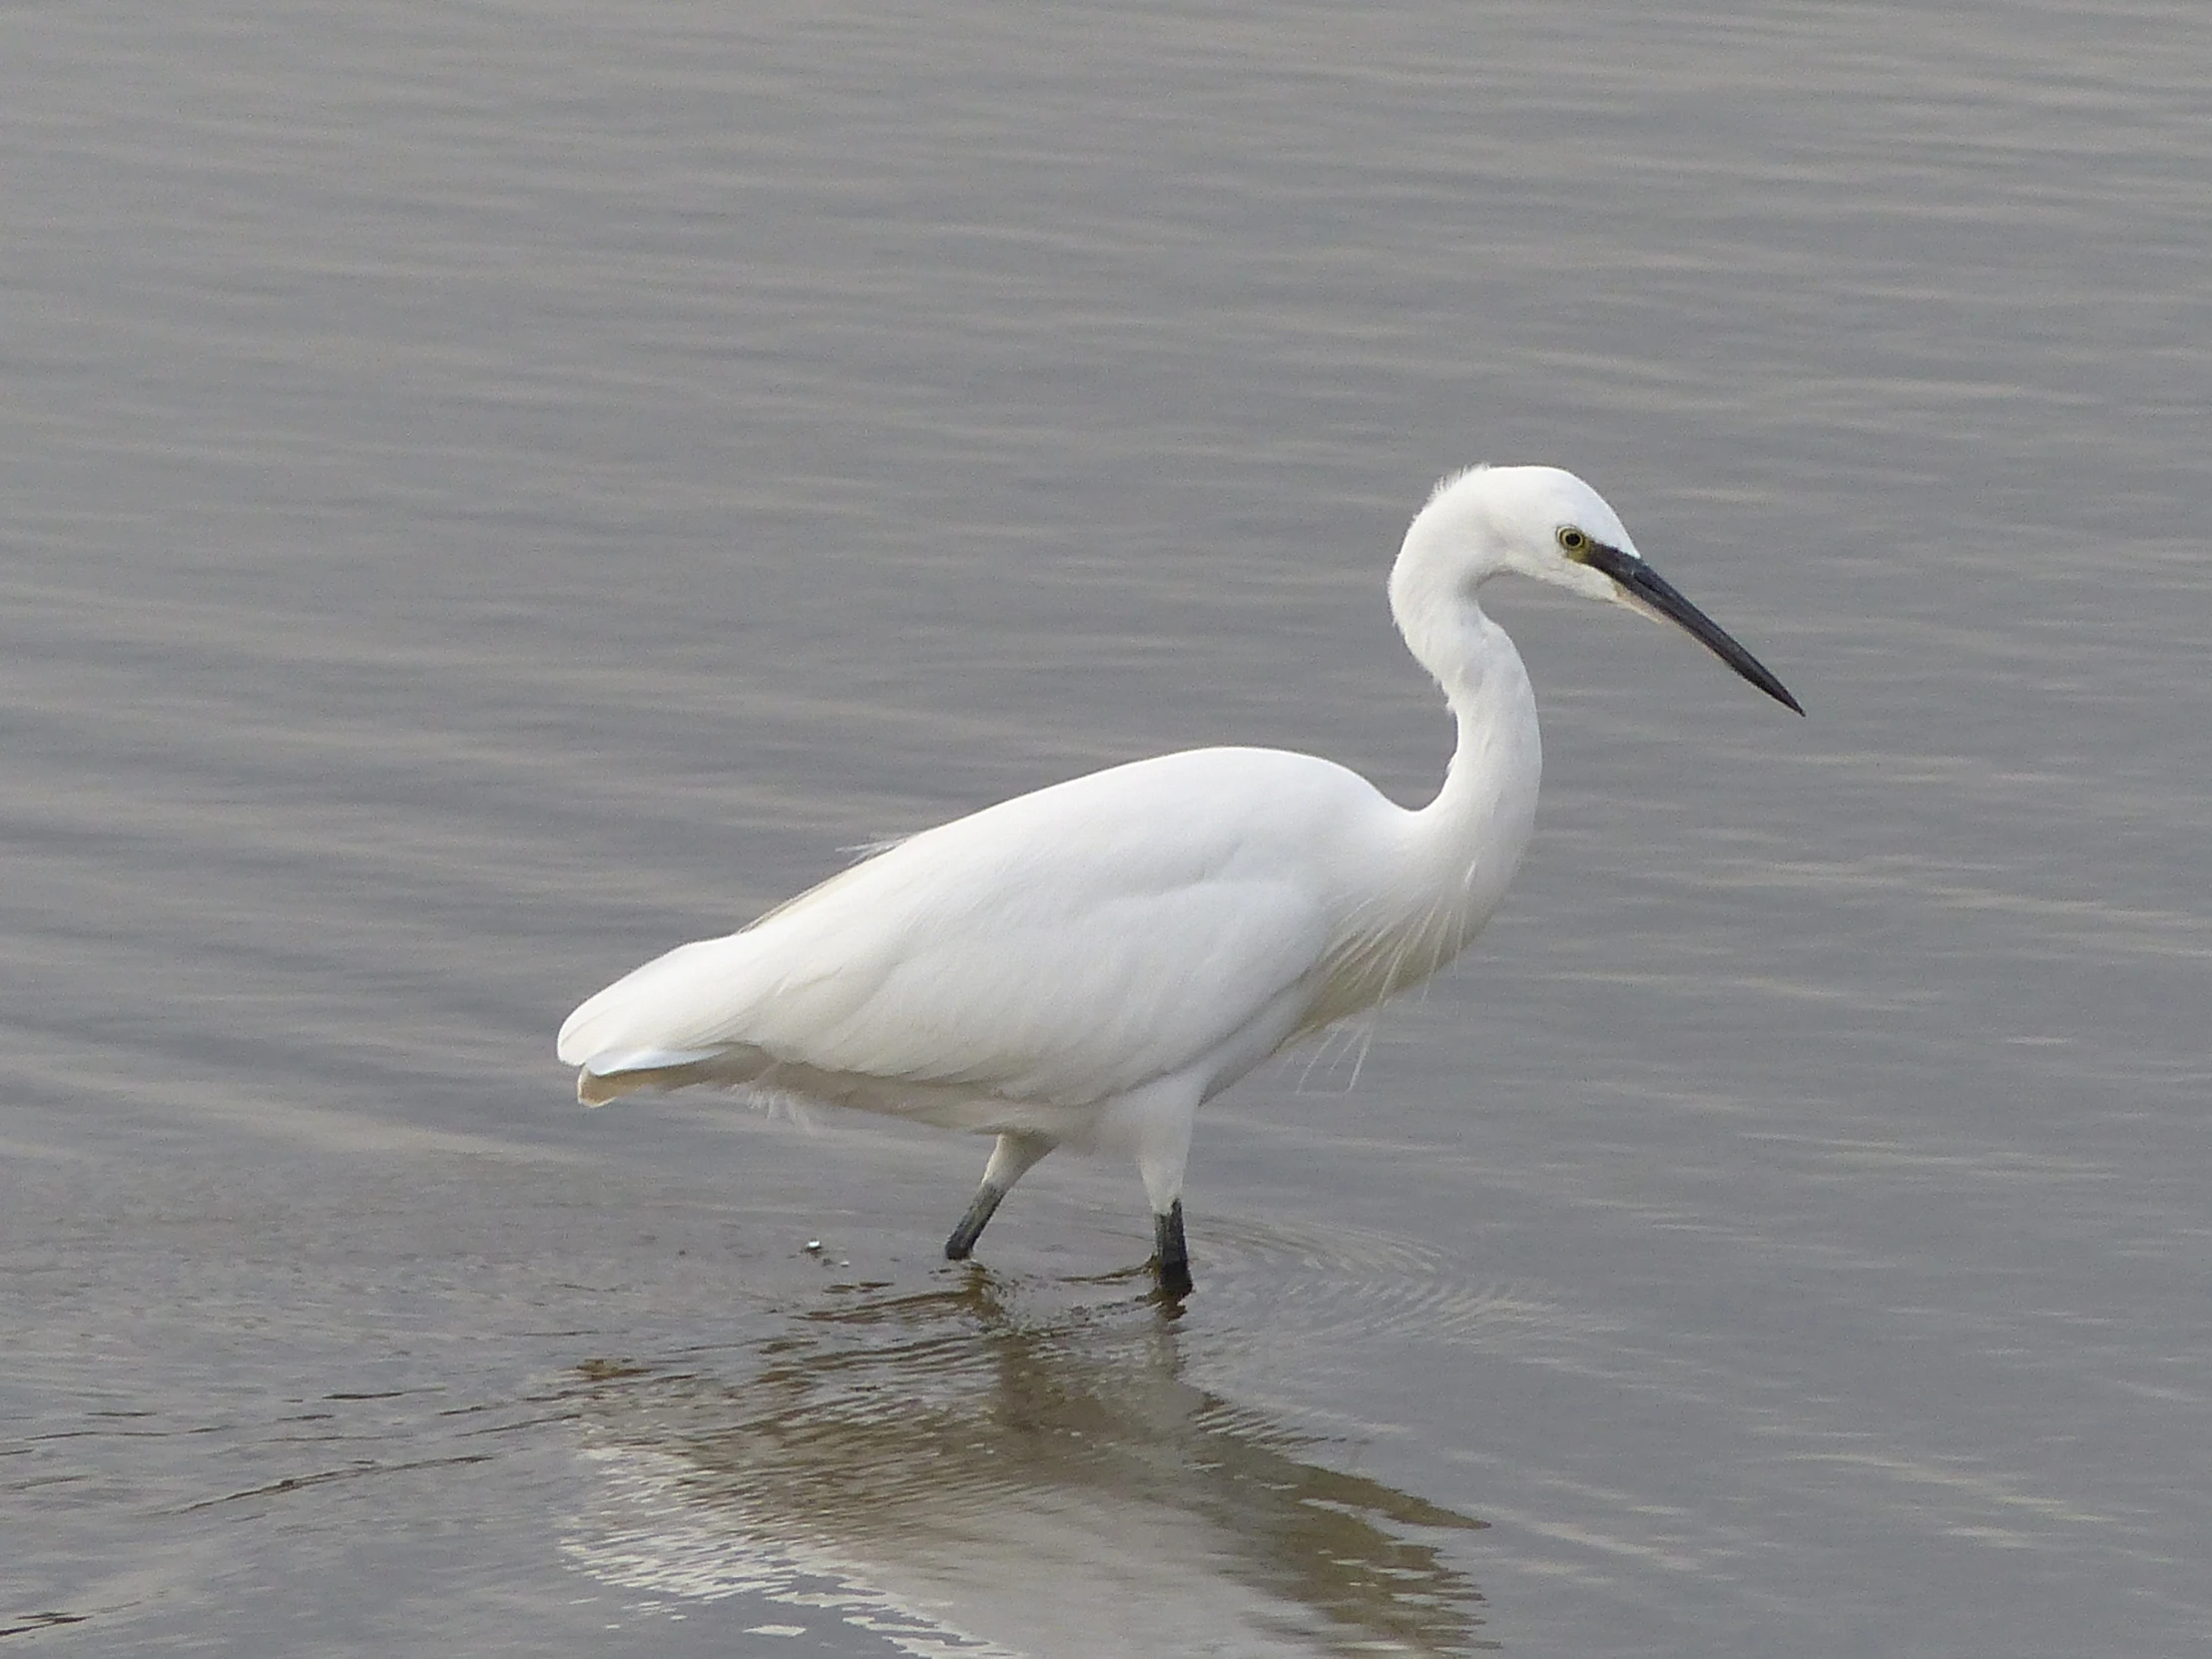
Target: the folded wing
pixel 1060 948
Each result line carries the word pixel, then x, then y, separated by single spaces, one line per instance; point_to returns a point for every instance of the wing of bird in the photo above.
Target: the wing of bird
pixel 1062 947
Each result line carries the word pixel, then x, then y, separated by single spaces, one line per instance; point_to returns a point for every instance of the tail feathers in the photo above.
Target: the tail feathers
pixel 606 1077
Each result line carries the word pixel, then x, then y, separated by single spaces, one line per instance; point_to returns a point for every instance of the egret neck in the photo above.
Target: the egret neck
pixel 1472 835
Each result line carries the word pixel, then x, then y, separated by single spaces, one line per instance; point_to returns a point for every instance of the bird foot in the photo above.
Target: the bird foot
pixel 973 1223
pixel 1171 1260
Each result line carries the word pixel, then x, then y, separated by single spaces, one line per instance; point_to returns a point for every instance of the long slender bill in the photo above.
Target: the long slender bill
pixel 1655 593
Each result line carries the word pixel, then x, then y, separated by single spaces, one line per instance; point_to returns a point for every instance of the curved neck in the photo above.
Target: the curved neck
pixel 1480 821
pixel 1494 764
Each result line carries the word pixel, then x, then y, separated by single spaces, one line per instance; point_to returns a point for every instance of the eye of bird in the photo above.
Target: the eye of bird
pixel 1571 539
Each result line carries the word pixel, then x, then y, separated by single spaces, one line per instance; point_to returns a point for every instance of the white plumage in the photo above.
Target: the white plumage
pixel 1088 964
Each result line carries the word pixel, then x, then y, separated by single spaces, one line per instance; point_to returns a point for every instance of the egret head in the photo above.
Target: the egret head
pixel 1549 524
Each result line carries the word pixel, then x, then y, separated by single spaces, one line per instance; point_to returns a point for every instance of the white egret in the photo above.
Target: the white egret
pixel 1087 964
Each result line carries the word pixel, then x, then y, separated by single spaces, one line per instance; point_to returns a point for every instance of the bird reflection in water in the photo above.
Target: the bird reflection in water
pixel 1038 1477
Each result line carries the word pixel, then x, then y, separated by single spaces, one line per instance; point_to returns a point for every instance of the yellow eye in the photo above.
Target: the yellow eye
pixel 1572 540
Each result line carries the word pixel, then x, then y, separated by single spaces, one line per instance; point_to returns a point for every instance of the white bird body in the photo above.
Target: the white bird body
pixel 1088 964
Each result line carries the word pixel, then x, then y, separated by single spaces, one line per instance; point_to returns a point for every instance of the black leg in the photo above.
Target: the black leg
pixel 1171 1258
pixel 973 1223
pixel 1011 1157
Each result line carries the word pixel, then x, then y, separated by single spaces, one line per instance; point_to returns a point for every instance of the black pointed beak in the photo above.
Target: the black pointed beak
pixel 1654 593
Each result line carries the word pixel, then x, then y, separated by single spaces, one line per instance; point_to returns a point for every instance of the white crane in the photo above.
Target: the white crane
pixel 1087 964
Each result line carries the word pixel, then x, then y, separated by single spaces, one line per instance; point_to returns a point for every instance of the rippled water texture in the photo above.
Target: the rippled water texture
pixel 493 491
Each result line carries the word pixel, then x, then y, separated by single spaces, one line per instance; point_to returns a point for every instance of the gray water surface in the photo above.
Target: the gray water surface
pixel 493 491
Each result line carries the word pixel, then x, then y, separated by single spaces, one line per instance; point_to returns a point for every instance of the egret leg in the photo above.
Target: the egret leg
pixel 1011 1159
pixel 1171 1256
pixel 1163 1118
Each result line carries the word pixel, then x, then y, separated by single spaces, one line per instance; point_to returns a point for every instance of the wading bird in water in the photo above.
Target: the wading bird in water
pixel 1088 965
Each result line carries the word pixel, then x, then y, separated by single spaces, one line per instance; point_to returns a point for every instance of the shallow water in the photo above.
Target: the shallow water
pixel 496 491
